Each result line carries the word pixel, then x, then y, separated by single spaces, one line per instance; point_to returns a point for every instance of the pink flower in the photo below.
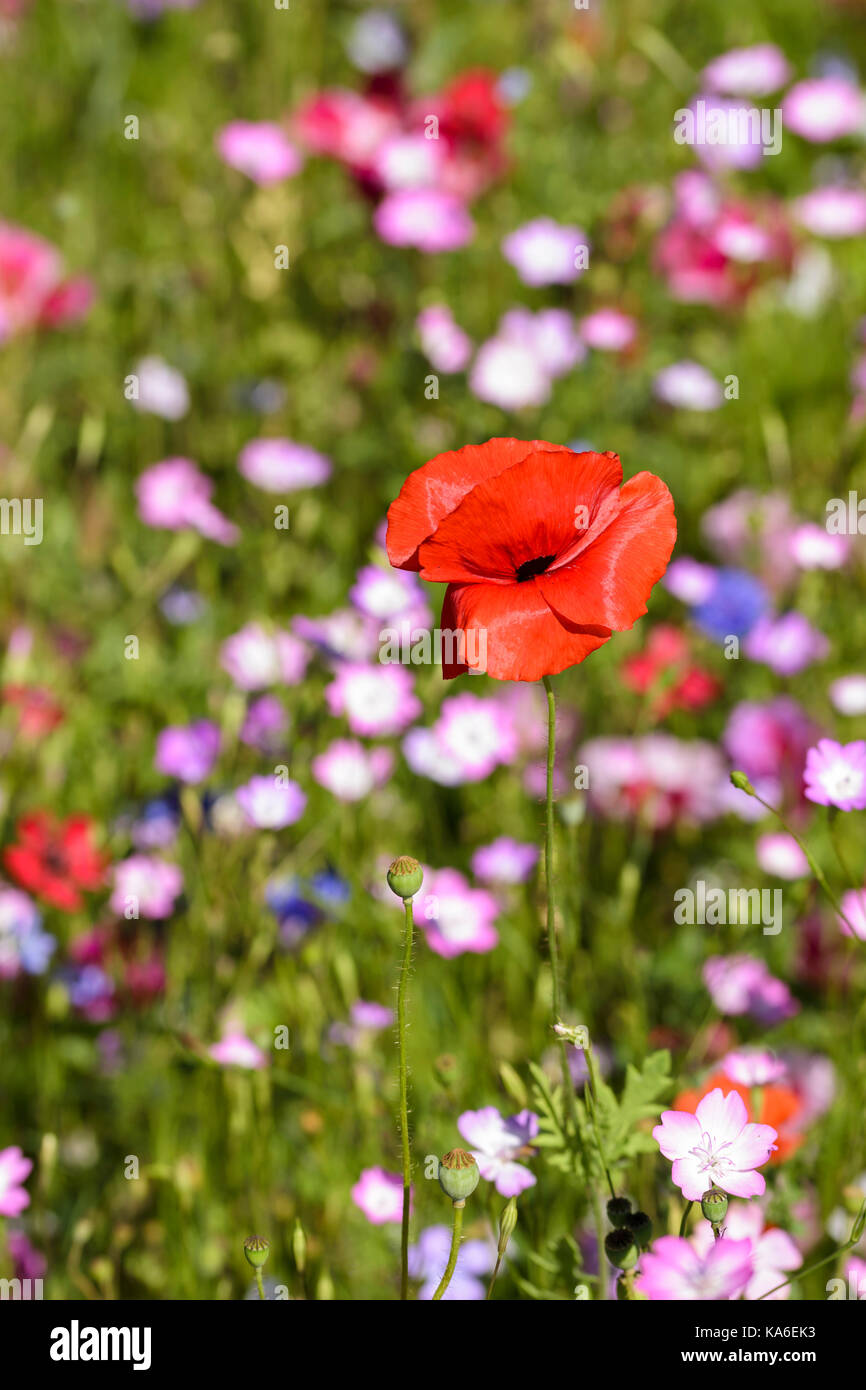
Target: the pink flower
pixel 688 386
pixel 497 1142
pixel 835 774
pixel 544 252
pixel 14 1168
pixel 751 1066
pixel 379 1195
pixel 608 330
pixel 259 149
pixel 443 342
pixel 674 1271
pixel 423 217
pixel 742 984
pixel 281 465
pixel 161 390
pixel 478 733
pixel 509 374
pixel 147 884
pixel 256 658
pixel 349 771
pixel 188 751
pixel 779 854
pixel 269 804
pixel 376 700
pixel 832 212
pixel 773 1251
pixel 848 694
pixel 175 495
pixel 715 1146
pixel 504 861
pixel 823 108
pixel 455 917
pixel 853 905
pixel 236 1050
pixel 787 644
pixel 33 293
pixel 813 548
pixel 409 160
pixel 754 71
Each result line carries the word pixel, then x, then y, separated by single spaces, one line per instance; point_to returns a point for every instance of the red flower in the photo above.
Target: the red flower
pixel 55 859
pixel 664 669
pixel 544 553
pixel 39 712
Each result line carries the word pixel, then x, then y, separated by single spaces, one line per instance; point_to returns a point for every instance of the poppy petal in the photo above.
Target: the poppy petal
pixel 434 490
pixel 610 581
pixel 513 625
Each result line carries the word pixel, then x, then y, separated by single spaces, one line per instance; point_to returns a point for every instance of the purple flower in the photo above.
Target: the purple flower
pixel 833 211
pixel 835 774
pixel 754 71
pixel 504 861
pixel 674 1271
pixel 550 335
pixel 478 734
pixel 688 386
pixel 787 645
pixel 717 1145
pixel 774 1253
pixel 145 887
pixel 429 1256
pixel 497 1142
pixel 735 604
pixel 742 984
pixel 265 724
pixel 823 108
pixel 769 740
pixel 423 217
pixel 281 465
pixel 779 854
pixel 455 917
pixel 752 1066
pixel 175 495
pixel 256 658
pixel 161 389
pixel 379 1195
pixel 188 751
pixel 236 1050
pixel 376 700
pixel 14 1169
pixel 544 252
pixel 349 771
pixel 271 804
pixel 690 581
pixel 258 149
pixel 608 330
pixel 389 594
pixel 23 943
pixel 443 342
pixel 813 548
pixel 848 694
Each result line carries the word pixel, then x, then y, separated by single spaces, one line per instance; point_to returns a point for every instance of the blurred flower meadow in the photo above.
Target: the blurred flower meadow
pixel 335 965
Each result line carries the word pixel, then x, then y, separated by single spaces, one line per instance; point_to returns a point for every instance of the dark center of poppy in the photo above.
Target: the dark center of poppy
pixel 530 568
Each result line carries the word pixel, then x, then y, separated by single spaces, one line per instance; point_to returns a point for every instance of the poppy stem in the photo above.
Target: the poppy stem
pixel 456 1236
pixel 404 1098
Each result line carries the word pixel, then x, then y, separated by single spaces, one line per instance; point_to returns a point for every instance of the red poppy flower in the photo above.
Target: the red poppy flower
pixel 545 554
pixel 55 859
pixel 780 1106
pixel 664 668
pixel 38 711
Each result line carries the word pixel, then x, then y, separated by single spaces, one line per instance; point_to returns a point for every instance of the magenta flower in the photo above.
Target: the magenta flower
pixel 281 465
pixel 269 804
pixel 236 1050
pixel 376 700
pixel 778 853
pixel 544 252
pixel 608 330
pixel 832 211
pixel 835 774
pixel 33 292
pixel 497 1143
pixel 509 374
pixel 774 1253
pixel 853 905
pixel 379 1195
pixel 674 1271
pixel 423 217
pixel 349 771
pixel 188 751
pixel 823 108
pixel 14 1169
pixel 687 386
pixel 754 71
pixel 753 1066
pixel 504 861
pixel 742 984
pixel 443 341
pixel 255 657
pixel 145 886
pixel 258 149
pixel 455 917
pixel 265 724
pixel 787 644
pixel 175 495
pixel 717 1145
pixel 848 694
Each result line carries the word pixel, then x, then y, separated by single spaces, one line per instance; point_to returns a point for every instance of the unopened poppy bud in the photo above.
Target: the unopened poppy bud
pixel 714 1205
pixel 405 876
pixel 507 1223
pixel 620 1248
pixel 641 1228
pixel 458 1175
pixel 256 1249
pixel 618 1211
pixel 299 1247
pixel 742 783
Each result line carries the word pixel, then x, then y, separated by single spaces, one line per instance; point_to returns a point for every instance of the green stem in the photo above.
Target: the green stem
pixel 591 1097
pixel 813 863
pixel 404 1098
pixel 259 1285
pixel 496 1269
pixel 685 1219
pixel 456 1235
pixel 853 1239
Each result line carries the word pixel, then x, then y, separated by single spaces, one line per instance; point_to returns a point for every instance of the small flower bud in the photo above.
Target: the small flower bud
pixel 405 876
pixel 618 1211
pixel 256 1249
pixel 458 1175
pixel 641 1228
pixel 299 1247
pixel 507 1223
pixel 742 783
pixel 620 1248
pixel 714 1205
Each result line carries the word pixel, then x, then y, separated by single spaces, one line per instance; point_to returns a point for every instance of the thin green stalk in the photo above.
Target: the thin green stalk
pixel 456 1237
pixel 496 1269
pixel 591 1098
pixel 685 1219
pixel 404 1098
pixel 259 1285
pixel 813 863
pixel 853 1239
